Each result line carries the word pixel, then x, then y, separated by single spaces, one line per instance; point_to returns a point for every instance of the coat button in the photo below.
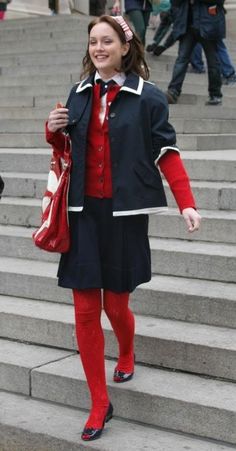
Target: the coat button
pixel 73 121
pixel 113 115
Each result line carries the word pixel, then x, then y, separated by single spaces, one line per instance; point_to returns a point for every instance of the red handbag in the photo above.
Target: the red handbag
pixel 53 234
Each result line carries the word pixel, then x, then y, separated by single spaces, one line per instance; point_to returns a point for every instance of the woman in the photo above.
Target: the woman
pixel 138 12
pixel 118 126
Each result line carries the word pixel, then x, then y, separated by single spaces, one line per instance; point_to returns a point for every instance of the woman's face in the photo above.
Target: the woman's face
pixel 106 50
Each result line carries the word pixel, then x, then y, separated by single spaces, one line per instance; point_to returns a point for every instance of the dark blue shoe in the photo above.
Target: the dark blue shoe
pixel 120 376
pixel 89 434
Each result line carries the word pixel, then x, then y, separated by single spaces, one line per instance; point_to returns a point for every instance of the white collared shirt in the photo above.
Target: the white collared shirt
pixel 119 78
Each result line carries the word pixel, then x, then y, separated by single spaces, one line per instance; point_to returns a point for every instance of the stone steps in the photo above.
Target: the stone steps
pixel 209 195
pixel 219 226
pixel 205 165
pixel 177 298
pixel 177 112
pixel 181 258
pixel 199 142
pixel 36 425
pixel 161 342
pixel 182 126
pixel 183 402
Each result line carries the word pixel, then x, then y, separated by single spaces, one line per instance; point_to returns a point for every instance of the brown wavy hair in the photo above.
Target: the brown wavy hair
pixel 133 61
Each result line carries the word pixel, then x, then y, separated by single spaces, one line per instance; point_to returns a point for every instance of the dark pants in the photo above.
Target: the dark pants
pixel 140 21
pixel 97 7
pixel 186 46
pixel 164 26
pixel 53 5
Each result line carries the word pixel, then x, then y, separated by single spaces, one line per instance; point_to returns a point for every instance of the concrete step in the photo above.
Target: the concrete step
pixel 177 401
pixel 211 141
pixel 209 195
pixel 36 80
pixel 211 261
pixel 205 165
pixel 43 46
pixel 183 126
pixel 219 165
pixel 165 343
pixel 33 425
pixel 218 226
pixel 45 59
pixel 41 70
pixel 39 24
pixel 202 111
pixel 185 141
pixel 177 298
pixel 18 360
pixel 28 36
pixel 43 90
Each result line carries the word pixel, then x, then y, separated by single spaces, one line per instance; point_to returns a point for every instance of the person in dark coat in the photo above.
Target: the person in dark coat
pixel 198 21
pixel 1 186
pixel 138 12
pixel 97 7
pixel 3 8
pixel 118 126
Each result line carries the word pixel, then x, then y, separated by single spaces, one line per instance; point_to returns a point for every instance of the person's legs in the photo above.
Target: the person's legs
pixel 140 20
pixel 196 59
pixel 186 45
pixel 226 66
pixel 162 29
pixel 214 77
pixel 123 323
pixel 90 337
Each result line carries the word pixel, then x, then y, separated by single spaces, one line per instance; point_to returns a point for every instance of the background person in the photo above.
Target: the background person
pixel 195 21
pixel 3 8
pixel 138 12
pixel 114 185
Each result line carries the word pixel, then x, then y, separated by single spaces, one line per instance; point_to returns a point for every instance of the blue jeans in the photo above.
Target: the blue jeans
pixel 187 43
pixel 226 65
pixel 196 58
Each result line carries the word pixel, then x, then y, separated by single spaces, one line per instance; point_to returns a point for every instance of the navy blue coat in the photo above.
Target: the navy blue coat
pixel 210 27
pixel 139 132
pixel 144 5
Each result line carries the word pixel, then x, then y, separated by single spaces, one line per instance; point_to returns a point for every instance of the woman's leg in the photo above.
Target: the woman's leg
pixel 90 339
pixel 123 324
pixel 140 21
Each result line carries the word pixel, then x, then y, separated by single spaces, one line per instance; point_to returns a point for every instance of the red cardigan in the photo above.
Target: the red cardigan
pixel 98 179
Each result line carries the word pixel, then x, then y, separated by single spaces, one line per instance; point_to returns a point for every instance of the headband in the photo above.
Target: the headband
pixel 125 27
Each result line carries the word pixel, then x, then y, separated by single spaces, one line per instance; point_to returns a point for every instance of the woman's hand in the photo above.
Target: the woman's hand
pixel 192 219
pixel 58 119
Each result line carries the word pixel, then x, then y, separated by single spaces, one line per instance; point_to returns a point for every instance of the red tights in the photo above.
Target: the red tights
pixel 90 337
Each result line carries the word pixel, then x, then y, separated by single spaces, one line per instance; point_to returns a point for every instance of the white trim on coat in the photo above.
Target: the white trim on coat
pixel 75 208
pixel 164 150
pixel 142 211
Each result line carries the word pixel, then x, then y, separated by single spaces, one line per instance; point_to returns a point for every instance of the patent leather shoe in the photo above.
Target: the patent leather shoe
pixel 120 376
pixel 89 434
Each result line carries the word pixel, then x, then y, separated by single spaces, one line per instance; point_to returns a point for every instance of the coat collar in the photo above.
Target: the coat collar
pixel 133 84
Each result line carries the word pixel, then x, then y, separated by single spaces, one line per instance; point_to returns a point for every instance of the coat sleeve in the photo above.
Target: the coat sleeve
pixel 163 133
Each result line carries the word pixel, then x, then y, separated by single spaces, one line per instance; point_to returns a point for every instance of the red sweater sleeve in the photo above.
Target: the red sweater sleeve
pixel 175 173
pixel 57 139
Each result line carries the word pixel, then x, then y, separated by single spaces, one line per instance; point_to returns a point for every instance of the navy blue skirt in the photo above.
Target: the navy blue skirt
pixel 106 252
